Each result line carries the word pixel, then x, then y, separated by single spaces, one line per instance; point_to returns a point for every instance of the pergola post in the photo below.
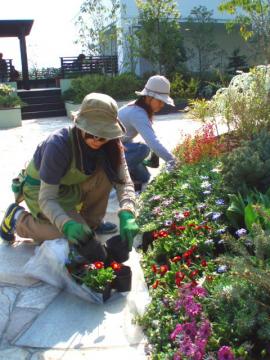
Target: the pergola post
pixel 25 73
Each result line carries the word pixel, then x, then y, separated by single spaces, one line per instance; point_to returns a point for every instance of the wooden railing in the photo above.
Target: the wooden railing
pixel 71 66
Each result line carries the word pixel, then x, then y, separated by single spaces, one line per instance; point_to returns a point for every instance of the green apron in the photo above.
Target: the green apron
pixel 69 196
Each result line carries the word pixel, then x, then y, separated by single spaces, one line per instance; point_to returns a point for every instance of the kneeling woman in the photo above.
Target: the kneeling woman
pixel 69 179
pixel 137 117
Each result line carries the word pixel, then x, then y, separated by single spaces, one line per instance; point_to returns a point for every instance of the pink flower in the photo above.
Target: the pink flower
pixel 187 348
pixel 205 330
pixel 176 331
pixel 199 291
pixel 193 309
pixel 225 353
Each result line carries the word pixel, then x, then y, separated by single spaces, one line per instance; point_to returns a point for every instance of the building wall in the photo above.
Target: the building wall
pixel 227 42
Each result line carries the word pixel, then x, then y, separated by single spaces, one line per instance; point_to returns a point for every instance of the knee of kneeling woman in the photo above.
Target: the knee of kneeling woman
pixel 145 150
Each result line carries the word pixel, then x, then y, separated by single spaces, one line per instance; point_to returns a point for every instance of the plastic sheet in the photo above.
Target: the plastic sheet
pixel 48 265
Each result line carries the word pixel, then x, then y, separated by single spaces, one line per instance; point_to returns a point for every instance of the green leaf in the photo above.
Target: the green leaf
pixel 251 216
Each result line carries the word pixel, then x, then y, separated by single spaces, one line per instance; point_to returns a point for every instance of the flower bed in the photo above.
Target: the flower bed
pixel 206 273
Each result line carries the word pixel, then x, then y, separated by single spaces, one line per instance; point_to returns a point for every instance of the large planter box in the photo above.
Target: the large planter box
pixel 10 118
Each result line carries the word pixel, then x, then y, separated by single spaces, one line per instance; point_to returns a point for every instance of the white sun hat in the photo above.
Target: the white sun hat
pixel 157 87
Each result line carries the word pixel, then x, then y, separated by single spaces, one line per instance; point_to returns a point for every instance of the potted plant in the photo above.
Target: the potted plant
pixel 98 278
pixel 10 107
pixel 122 281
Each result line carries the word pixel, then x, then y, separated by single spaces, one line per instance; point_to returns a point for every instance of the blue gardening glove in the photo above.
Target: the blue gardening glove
pixel 77 233
pixel 128 227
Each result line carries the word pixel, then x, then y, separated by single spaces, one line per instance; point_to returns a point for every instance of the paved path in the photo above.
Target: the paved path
pixel 39 321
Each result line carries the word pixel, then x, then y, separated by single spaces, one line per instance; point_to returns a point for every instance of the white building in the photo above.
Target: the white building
pixel 226 42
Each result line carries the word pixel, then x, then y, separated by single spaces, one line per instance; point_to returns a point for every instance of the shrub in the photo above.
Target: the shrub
pixel 183 89
pixel 248 166
pixel 8 97
pixel 119 87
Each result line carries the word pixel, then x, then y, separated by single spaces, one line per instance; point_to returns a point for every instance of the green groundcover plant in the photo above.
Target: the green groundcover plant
pixel 202 306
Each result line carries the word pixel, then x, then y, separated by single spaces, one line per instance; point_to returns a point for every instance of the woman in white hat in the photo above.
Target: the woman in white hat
pixel 69 179
pixel 137 117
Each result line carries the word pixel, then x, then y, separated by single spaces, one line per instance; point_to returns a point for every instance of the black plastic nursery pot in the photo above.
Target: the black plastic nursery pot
pixel 106 293
pixel 122 282
pixel 117 249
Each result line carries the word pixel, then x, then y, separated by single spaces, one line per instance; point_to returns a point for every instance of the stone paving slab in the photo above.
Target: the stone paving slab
pixel 13 258
pixel 72 323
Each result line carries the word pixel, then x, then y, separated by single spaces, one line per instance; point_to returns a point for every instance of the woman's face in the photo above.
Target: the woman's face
pixel 155 104
pixel 92 141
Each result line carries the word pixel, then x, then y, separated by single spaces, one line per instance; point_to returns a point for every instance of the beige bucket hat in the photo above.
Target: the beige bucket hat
pixel 98 116
pixel 158 87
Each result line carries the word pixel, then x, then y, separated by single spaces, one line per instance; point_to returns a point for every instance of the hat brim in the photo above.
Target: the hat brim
pixel 100 127
pixel 163 97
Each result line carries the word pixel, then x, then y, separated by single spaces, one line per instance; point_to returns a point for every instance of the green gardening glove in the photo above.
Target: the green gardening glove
pixel 77 233
pixel 128 227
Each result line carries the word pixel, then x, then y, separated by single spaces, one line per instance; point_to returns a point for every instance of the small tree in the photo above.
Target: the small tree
pixel 96 23
pixel 202 33
pixel 237 62
pixel 253 16
pixel 158 34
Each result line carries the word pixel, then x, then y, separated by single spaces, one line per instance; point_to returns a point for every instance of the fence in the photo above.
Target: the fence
pixel 72 66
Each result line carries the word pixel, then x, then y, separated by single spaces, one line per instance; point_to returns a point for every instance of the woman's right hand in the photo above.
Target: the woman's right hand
pixel 77 233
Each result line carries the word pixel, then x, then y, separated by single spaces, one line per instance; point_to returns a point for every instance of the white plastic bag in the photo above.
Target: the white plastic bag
pixel 48 265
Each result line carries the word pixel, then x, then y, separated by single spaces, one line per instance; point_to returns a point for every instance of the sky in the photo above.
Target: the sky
pixel 52 35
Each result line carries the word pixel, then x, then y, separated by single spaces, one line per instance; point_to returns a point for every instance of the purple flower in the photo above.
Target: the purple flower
pixel 179 216
pixel 221 231
pixel 206 185
pixel 220 202
pixel 155 198
pixel 216 216
pixel 167 202
pixel 167 222
pixel 157 211
pixel 225 353
pixel 222 269
pixel 241 232
pixel 206 192
pixel 209 242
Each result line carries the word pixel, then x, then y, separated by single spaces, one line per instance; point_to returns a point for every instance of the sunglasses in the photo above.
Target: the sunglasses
pixel 97 138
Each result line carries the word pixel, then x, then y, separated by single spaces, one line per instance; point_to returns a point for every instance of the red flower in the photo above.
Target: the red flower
pixel 203 263
pixel 176 258
pixel 99 265
pixel 163 269
pixel 154 268
pixel 193 273
pixel 187 254
pixel 179 275
pixel 116 266
pixel 155 285
pixel 181 228
pixel 186 213
pixel 188 262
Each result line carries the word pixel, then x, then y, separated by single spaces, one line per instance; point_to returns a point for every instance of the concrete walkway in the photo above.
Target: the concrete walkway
pixel 39 321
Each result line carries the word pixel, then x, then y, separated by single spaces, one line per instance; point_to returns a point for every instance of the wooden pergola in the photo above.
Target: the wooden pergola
pixel 19 29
